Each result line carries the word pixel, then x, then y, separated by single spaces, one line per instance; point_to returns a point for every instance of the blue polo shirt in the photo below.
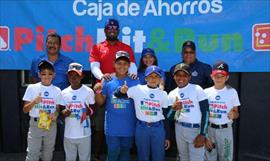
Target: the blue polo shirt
pixel 60 68
pixel 120 116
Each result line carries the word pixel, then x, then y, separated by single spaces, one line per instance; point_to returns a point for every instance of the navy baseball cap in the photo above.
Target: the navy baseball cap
pixel 181 67
pixel 45 64
pixel 153 69
pixel 148 51
pixel 112 22
pixel 220 67
pixel 122 54
pixel 189 44
pixel 76 67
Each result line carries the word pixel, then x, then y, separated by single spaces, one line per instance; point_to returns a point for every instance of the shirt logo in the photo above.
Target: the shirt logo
pixel 217 97
pixel 261 37
pixel 152 95
pixel 182 95
pixel 221 66
pixel 74 97
pixel 194 73
pixel 46 93
pixel 4 38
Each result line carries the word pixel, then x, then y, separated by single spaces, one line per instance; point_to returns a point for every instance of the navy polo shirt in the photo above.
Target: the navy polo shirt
pixel 60 68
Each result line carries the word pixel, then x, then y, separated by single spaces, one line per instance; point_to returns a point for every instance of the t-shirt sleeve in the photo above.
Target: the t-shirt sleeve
pixel 200 93
pixel 59 99
pixel 94 54
pixel 63 97
pixel 132 91
pixel 28 95
pixel 91 98
pixel 235 101
pixel 165 100
pixel 171 99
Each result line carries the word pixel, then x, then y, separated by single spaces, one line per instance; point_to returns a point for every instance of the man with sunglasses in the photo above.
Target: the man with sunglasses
pixel 102 54
pixel 101 60
pixel 200 72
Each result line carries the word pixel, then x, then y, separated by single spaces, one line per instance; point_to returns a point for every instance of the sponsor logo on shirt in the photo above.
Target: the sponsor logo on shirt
pixel 74 97
pixel 150 107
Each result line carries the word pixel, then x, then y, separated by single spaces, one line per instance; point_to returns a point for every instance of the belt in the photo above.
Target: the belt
pixel 215 126
pixel 149 124
pixel 188 125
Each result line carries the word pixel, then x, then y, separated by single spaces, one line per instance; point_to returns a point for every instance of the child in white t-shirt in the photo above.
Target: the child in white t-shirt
pixel 78 99
pixel 223 104
pixel 42 101
pixel 149 100
pixel 191 117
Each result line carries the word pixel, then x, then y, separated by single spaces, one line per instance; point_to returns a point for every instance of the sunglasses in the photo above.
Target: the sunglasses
pixel 76 67
pixel 120 54
pixel 189 52
pixel 112 27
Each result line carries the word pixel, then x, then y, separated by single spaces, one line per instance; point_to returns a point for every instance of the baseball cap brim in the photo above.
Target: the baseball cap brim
pixel 77 71
pixel 214 72
pixel 123 58
pixel 147 74
pixel 44 63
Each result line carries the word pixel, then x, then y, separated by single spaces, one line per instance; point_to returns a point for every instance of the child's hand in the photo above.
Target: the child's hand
pixel 53 116
pixel 233 114
pixel 107 77
pixel 98 87
pixel 199 141
pixel 209 144
pixel 177 104
pixel 167 144
pixel 133 76
pixel 38 98
pixel 124 88
pixel 66 112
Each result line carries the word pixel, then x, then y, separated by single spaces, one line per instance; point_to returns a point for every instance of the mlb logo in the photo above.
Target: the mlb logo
pixel 261 37
pixel 4 38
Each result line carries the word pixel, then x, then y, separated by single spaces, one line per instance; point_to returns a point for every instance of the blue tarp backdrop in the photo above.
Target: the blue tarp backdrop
pixel 237 32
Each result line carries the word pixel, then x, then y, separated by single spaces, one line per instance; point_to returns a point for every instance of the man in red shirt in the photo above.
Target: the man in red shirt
pixel 102 55
pixel 101 59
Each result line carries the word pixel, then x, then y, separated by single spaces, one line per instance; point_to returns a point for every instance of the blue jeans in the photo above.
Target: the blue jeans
pixel 150 140
pixel 119 148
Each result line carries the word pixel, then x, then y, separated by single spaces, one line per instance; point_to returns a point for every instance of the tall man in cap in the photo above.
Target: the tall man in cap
pixel 101 60
pixel 200 72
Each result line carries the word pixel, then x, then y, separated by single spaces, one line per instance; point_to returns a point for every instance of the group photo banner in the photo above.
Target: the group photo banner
pixel 237 32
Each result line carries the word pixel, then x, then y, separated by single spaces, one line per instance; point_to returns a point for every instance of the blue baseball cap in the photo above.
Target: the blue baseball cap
pixel 153 69
pixel 148 51
pixel 112 22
